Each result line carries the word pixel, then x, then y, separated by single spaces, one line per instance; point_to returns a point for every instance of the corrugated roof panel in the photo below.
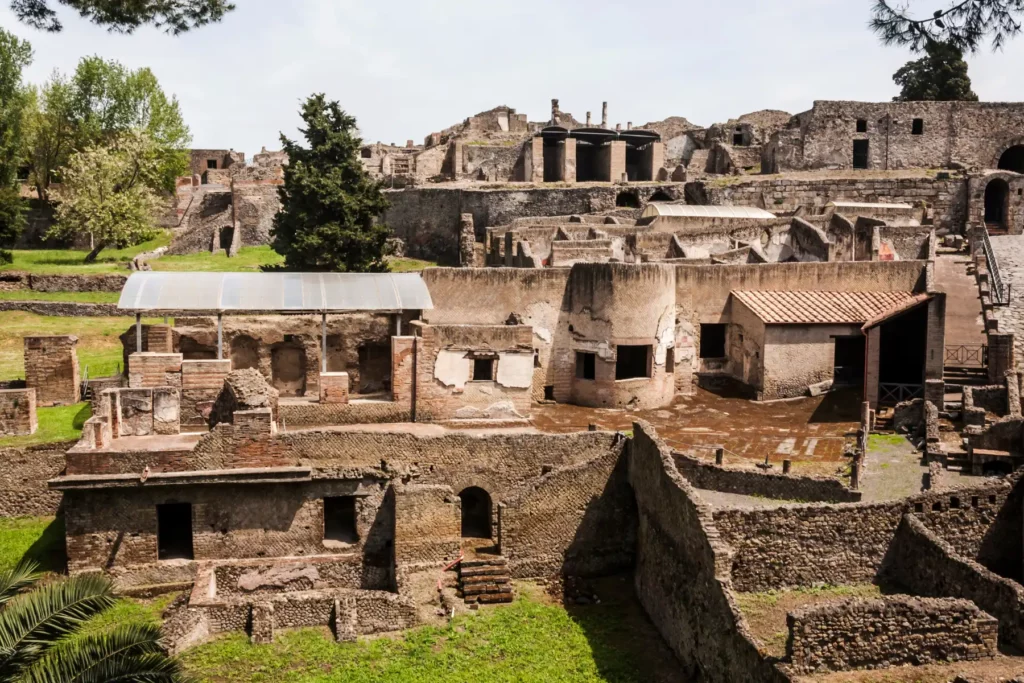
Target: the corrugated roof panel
pixel 870 205
pixel 275 292
pixel 704 211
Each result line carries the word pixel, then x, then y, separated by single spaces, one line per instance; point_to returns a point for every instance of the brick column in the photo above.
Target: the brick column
pixel 1000 356
pixel 935 344
pixel 537 160
pixel 657 158
pixel 569 167
pixel 403 372
pixel 617 161
pixel 51 368
pixel 874 343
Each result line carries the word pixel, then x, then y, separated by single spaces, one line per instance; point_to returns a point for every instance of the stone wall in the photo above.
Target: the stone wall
pixel 682 572
pixel 23 476
pixel 51 368
pixel 927 565
pixel 18 280
pixel 18 412
pixel 753 482
pixel 804 545
pixel 890 631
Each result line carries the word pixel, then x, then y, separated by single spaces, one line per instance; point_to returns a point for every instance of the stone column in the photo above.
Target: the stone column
pixel 617 160
pixel 569 162
pixel 935 344
pixel 467 240
pixel 537 160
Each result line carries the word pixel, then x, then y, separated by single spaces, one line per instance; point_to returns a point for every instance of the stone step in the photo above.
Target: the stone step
pixel 484 562
pixel 483 571
pixel 483 588
pixel 490 598
pixel 477 580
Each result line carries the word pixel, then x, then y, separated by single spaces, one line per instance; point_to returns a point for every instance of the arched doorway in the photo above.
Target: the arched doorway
pixel 1012 159
pixel 476 513
pixel 660 196
pixel 997 194
pixel 245 353
pixel 288 368
pixel 627 200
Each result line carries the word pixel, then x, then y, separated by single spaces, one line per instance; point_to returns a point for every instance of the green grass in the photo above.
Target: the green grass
pixel 248 259
pixel 37 538
pixel 527 641
pixel 401 264
pixel 72 261
pixel 885 440
pixel 56 424
pixel 78 297
pixel 99 346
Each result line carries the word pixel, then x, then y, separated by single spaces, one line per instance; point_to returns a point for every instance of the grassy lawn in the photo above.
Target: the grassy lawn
pixel 401 264
pixel 248 259
pixel 56 424
pixel 37 538
pixel 72 262
pixel 99 348
pixel 78 297
pixel 529 641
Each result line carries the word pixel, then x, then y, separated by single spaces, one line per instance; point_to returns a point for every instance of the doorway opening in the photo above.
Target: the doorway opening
pixel 476 513
pixel 174 531
pixel 849 361
pixel 997 196
pixel 1012 159
pixel 288 368
pixel 860 153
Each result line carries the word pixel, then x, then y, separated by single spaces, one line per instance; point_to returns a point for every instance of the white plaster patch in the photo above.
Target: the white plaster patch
pixel 542 333
pixel 452 368
pixel 666 340
pixel 515 370
pixel 786 447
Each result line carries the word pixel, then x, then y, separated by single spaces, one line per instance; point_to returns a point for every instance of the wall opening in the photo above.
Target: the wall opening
pixel 901 359
pixel 1012 159
pixel 190 349
pixel 860 153
pixel 174 531
pixel 849 361
pixel 374 368
pixel 586 364
pixel 712 340
pixel 632 362
pixel 638 162
pixel 365 153
pixel 554 160
pixel 288 368
pixel 917 127
pixel 335 353
pixel 737 137
pixel 997 200
pixel 226 237
pixel 660 196
pixel 211 163
pixel 245 353
pixel 628 200
pixel 483 369
pixel 340 519
pixel 862 125
pixel 476 513
pixel 670 359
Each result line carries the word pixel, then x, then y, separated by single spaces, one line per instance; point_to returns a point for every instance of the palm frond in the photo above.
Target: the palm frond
pixel 129 652
pixel 31 622
pixel 20 576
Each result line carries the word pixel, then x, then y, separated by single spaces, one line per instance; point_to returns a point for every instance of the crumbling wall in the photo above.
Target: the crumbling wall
pixel 51 368
pixel 752 482
pixel 18 412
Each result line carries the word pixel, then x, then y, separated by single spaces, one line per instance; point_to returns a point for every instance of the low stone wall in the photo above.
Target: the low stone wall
pixel 23 476
pixel 923 563
pixel 281 576
pixel 979 401
pixel 681 575
pixel 304 414
pixel 15 280
pixel 18 411
pixel 65 309
pixel 890 631
pixel 734 479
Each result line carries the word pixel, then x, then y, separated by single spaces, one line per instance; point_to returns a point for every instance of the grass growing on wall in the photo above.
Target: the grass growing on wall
pixel 528 641
pixel 56 424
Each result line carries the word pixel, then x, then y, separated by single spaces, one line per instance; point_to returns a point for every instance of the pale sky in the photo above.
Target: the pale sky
pixel 406 68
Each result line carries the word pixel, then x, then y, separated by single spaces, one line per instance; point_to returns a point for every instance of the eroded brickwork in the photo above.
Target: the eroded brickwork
pixel 51 368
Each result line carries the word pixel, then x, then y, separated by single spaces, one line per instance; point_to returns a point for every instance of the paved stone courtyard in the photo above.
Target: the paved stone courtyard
pixel 1009 253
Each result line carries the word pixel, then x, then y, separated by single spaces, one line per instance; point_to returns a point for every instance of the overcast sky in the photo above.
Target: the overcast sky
pixel 405 68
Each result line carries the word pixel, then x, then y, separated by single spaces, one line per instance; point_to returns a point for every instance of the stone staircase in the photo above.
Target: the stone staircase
pixel 485 580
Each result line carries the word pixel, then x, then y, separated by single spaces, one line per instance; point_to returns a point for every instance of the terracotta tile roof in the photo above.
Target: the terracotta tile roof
pixel 810 307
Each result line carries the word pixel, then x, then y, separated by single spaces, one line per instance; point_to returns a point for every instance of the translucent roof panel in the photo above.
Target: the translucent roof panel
pixel 691 211
pixel 275 292
pixel 868 205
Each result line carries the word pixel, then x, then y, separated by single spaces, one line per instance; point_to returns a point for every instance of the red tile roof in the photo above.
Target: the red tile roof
pixel 809 307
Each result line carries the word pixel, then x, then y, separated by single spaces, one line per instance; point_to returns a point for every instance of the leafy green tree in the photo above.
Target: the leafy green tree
pixel 940 75
pixel 964 24
pixel 107 196
pixel 329 202
pixel 174 16
pixel 15 55
pixel 41 639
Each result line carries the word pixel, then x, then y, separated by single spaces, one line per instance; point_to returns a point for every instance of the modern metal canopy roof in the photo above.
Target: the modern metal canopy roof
pixel 156 291
pixel 702 211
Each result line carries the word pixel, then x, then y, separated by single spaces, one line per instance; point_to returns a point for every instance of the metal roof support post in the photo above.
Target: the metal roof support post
pixel 323 341
pixel 220 335
pixel 138 333
pixel 398 324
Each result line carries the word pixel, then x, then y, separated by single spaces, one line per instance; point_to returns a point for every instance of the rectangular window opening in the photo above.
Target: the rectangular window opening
pixel 483 369
pixel 670 360
pixel 174 531
pixel 712 341
pixel 862 125
pixel 549 392
pixel 632 362
pixel 585 365
pixel 954 502
pixel 211 163
pixel 917 127
pixel 340 519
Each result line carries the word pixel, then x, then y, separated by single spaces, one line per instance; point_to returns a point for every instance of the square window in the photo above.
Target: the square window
pixel 340 519
pixel 918 507
pixel 712 341
pixel 585 365
pixel 917 127
pixel 174 531
pixel 954 503
pixel 974 501
pixel 632 362
pixel 211 163
pixel 483 369
pixel 937 506
pixel 862 125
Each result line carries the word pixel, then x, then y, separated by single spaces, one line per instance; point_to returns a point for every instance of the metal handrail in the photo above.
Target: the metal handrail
pixel 1000 292
pixel 899 392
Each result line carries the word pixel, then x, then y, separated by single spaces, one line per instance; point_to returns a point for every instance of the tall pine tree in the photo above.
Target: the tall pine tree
pixel 940 75
pixel 328 200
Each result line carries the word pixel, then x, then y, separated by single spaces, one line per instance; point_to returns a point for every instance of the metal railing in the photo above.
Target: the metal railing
pixel 1000 291
pixel 890 393
pixel 967 356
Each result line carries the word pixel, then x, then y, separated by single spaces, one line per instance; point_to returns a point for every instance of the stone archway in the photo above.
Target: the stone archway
pixel 997 199
pixel 245 353
pixel 476 512
pixel 1011 157
pixel 288 368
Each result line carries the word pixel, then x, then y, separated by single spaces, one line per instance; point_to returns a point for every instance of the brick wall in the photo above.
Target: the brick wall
pixel 334 387
pixel 889 631
pixel 150 369
pixel 51 368
pixel 201 383
pixel 18 412
pixel 23 476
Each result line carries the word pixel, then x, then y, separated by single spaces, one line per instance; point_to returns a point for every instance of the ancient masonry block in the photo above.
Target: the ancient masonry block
pixel 334 387
pixel 261 616
pixel 147 370
pixel 51 368
pixel 345 619
pixel 18 412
